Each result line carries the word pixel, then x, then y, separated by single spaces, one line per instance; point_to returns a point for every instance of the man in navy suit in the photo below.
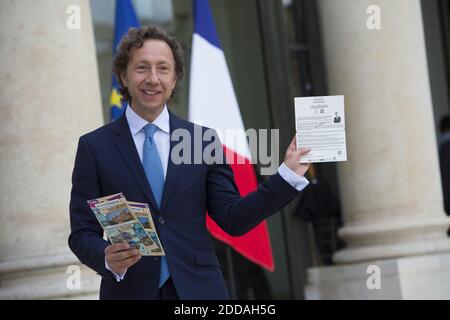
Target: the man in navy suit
pixel 116 158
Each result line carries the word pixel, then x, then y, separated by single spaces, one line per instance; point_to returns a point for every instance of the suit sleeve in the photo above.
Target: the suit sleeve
pixel 444 155
pixel 235 214
pixel 86 238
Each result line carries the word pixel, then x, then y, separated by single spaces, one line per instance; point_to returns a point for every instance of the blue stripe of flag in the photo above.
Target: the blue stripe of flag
pixel 204 22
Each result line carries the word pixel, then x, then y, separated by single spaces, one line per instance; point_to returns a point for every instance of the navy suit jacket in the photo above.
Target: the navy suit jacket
pixel 444 158
pixel 107 162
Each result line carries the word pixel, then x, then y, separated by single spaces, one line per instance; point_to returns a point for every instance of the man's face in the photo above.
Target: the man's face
pixel 150 78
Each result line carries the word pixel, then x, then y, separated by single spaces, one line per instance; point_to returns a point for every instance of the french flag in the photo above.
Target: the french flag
pixel 213 103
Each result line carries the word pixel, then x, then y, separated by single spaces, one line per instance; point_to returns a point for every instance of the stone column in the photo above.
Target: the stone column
pixel 390 186
pixel 49 97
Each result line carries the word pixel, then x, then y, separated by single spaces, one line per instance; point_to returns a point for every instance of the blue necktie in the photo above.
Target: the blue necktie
pixel 155 175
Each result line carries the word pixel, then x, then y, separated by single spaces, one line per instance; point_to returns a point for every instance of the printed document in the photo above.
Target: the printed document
pixel 320 125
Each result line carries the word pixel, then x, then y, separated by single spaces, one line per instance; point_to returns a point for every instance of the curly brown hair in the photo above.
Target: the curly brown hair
pixel 135 38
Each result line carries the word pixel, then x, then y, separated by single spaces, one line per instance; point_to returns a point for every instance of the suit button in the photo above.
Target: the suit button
pixel 155 258
pixel 161 220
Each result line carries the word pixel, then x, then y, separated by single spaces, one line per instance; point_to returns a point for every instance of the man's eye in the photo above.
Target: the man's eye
pixel 142 68
pixel 164 69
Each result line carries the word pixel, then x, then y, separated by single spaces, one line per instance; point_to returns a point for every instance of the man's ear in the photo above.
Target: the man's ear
pixel 123 77
pixel 175 78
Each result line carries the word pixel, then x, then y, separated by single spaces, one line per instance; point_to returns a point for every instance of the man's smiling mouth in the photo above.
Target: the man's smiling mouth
pixel 150 92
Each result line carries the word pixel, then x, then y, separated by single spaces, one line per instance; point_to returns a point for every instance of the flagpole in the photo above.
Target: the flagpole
pixel 231 273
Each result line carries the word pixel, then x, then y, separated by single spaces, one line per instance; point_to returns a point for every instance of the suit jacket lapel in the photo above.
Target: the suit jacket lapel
pixel 127 149
pixel 172 169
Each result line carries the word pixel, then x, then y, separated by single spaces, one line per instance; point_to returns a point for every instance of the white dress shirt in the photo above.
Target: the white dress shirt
pixel 162 140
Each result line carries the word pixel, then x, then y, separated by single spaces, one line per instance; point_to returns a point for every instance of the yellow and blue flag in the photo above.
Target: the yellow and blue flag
pixel 126 18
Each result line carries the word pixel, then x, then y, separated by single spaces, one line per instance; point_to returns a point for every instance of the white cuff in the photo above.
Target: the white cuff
pixel 119 276
pixel 295 180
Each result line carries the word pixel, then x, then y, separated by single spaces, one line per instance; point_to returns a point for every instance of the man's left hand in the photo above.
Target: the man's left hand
pixel 292 158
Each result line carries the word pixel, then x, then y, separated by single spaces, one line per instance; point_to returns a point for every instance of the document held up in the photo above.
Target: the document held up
pixel 320 125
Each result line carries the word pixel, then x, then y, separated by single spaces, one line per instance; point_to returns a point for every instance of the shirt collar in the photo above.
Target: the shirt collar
pixel 136 123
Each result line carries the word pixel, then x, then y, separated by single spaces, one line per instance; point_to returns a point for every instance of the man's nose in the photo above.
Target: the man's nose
pixel 152 77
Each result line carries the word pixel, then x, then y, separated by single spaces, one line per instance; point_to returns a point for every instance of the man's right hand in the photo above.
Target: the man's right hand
pixel 120 257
